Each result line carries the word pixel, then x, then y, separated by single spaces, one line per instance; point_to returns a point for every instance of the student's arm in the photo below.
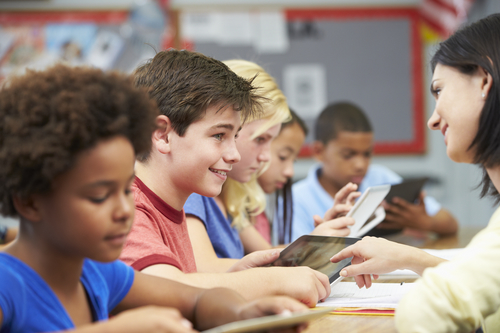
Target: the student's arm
pixel 301 283
pixel 204 254
pixel 376 256
pixel 252 240
pixel 402 214
pixel 205 308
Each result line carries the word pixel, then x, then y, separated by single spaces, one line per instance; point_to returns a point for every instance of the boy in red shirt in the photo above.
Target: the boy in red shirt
pixel 202 105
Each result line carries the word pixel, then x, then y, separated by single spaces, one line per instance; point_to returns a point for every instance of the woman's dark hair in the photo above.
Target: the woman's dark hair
pixel 50 117
pixel 284 200
pixel 474 46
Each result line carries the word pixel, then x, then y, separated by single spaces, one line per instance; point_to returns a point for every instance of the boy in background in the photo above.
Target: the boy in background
pixel 343 145
pixel 201 102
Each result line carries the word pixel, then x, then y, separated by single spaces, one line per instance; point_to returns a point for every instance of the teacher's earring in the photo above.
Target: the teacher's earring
pixel 483 95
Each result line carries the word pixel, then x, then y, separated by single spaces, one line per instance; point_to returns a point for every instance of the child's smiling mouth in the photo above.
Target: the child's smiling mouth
pixel 219 173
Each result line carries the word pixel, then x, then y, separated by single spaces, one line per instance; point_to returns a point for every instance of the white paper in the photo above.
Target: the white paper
pixel 271 35
pixel 379 295
pixel 235 28
pixel 199 27
pixel 305 88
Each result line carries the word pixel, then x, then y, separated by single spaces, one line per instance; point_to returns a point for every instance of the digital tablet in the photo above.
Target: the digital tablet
pixel 315 252
pixel 407 190
pixel 266 323
pixel 365 206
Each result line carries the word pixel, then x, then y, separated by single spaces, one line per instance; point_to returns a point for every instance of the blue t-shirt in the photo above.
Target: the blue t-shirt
pixel 225 239
pixel 310 198
pixel 29 304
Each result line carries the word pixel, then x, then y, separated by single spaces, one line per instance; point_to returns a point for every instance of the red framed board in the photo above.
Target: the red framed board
pixel 370 56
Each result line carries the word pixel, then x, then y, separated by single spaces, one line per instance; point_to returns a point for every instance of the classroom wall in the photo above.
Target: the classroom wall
pixel 452 184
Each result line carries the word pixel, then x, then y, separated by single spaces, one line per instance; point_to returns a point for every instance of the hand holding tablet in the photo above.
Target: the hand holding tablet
pixel 315 252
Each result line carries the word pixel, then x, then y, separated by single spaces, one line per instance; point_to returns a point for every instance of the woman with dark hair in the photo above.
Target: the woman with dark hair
pixel 462 294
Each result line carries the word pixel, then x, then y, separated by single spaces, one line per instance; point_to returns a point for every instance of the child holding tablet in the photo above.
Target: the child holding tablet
pixel 277 180
pixel 68 140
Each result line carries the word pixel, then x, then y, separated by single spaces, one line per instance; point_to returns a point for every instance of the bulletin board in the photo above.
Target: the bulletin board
pixel 106 39
pixel 371 57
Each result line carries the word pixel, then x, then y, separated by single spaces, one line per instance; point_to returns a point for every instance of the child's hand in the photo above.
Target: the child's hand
pixel 401 213
pixel 255 259
pixel 344 200
pixel 152 319
pixel 273 305
pixel 337 227
pixel 308 286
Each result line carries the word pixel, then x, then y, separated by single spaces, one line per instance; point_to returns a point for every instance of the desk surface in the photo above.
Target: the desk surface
pixel 355 323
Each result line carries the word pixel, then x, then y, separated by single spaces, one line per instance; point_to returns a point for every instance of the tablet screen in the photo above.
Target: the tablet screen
pixel 315 252
pixel 407 190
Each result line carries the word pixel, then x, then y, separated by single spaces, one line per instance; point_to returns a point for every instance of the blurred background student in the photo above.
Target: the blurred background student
pixel 276 181
pixel 275 224
pixel 343 147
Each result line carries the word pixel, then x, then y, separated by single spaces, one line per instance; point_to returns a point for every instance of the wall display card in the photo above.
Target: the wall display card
pixel 235 28
pixel 199 27
pixel 106 50
pixel 271 34
pixel 305 87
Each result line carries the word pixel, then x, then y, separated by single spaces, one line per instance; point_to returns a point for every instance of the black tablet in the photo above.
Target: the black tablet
pixel 315 252
pixel 407 190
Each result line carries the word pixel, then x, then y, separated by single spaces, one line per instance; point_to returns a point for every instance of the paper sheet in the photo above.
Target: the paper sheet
pixel 379 295
pixel 305 87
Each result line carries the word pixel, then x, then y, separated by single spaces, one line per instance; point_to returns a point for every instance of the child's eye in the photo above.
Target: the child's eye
pixel 260 140
pixel 347 156
pixel 219 136
pixel 98 200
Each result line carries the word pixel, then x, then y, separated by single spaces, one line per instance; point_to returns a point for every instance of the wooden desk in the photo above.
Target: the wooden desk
pixel 354 323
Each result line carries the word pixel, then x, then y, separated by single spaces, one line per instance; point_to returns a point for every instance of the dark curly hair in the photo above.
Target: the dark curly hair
pixel 184 84
pixel 51 116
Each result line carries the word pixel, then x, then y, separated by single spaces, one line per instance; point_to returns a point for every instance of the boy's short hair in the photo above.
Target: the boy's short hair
pixel 337 117
pixel 49 117
pixel 184 84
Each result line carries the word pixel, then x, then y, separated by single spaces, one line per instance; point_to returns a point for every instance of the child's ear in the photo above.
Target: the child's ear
pixel 27 207
pixel 161 136
pixel 317 150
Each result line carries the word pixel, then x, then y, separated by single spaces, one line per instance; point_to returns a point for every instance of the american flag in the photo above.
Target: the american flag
pixel 445 16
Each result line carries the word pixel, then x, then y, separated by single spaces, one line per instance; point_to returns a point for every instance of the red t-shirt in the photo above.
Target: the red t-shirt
pixel 159 234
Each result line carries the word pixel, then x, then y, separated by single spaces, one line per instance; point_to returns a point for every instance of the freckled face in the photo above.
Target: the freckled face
pixel 90 210
pixel 284 151
pixel 253 150
pixel 459 103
